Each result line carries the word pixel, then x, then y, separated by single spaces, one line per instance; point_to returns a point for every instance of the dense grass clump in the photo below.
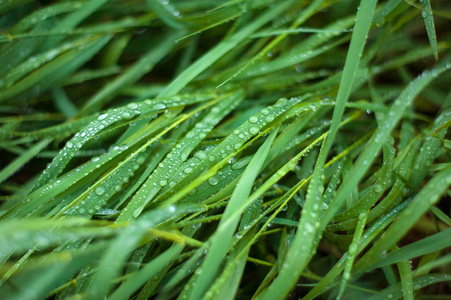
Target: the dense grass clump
pixel 225 149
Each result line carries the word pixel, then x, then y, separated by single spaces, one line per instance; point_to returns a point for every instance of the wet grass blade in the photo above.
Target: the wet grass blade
pixel 20 161
pixel 428 18
pixel 301 251
pixel 220 242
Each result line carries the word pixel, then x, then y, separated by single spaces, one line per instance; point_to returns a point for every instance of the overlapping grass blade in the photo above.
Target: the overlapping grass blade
pixel 248 185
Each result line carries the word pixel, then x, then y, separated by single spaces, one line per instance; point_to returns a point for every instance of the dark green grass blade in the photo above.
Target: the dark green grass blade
pixel 301 250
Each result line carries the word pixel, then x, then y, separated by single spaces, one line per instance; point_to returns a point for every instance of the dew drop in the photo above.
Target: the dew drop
pixel 213 180
pixel 253 119
pixel 253 130
pixel 100 190
pixel 200 155
pixel 377 188
pixel 309 227
pixel 171 208
pixel 190 134
pixel 132 105
pixel 269 119
pixel 282 102
pixel 102 117
pixel 159 106
pixel 138 211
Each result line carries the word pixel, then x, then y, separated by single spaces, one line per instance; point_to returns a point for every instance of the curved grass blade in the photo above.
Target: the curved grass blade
pixel 303 51
pixel 22 159
pixel 221 239
pixel 74 58
pixel 305 14
pixel 139 69
pixel 352 252
pixel 49 274
pixel 167 13
pixel 151 269
pixel 330 279
pixel 44 14
pixel 37 61
pixel 428 196
pixel 309 225
pixel 372 196
pixel 221 49
pixel 126 242
pixel 382 133
pixel 405 272
pixel 178 155
pixel 75 18
pixel 19 236
pixel 428 18
pixel 395 291
pixel 106 119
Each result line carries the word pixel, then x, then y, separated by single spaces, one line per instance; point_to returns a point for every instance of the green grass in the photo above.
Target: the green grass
pixel 243 149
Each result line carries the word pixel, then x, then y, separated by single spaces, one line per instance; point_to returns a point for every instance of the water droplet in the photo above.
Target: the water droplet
pixel 377 188
pixel 253 119
pixel 200 155
pixel 138 211
pixel 269 119
pixel 162 182
pixel 102 117
pixel 159 106
pixel 309 227
pixel 282 102
pixel 132 105
pixel 253 130
pixel 100 190
pixel 213 180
